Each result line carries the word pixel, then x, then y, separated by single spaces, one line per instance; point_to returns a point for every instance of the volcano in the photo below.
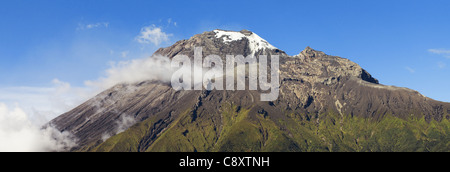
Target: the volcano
pixel 325 103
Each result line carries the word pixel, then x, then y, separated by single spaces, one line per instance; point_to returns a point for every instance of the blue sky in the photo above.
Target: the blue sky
pixel 402 42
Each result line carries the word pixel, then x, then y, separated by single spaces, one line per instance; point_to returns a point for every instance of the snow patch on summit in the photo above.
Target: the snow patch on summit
pixel 256 43
pixel 229 36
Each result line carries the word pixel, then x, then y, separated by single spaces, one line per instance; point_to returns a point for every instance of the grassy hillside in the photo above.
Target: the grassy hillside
pixel 238 130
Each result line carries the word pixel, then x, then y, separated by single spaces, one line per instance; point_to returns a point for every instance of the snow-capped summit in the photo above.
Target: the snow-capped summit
pixel 223 43
pixel 256 43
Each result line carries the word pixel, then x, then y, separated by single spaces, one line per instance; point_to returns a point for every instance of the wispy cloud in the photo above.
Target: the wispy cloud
pixel 410 70
pixel 124 54
pixel 444 52
pixel 171 22
pixel 441 65
pixel 152 35
pixel 92 25
pixel 45 103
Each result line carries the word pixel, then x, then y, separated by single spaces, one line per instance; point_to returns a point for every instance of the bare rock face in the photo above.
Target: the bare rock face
pixel 312 86
pixel 117 109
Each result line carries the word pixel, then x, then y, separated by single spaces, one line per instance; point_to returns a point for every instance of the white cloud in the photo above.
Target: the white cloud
pixel 25 110
pixel 156 67
pixel 441 65
pixel 125 122
pixel 152 34
pixel 444 52
pixel 124 54
pixel 19 134
pixel 439 51
pixel 410 70
pixel 92 25
pixel 45 103
pixel 170 22
pixel 131 71
pixel 122 124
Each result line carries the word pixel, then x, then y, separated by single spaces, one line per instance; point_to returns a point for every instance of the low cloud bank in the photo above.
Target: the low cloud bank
pixel 153 68
pixel 19 134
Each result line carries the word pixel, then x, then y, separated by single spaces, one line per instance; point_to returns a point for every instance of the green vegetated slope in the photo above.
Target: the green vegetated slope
pixel 239 130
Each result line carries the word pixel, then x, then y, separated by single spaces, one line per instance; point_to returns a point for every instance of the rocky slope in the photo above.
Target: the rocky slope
pixel 326 103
